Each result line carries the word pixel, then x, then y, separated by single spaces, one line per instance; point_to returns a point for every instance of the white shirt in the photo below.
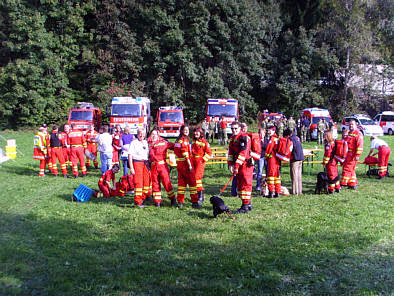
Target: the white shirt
pixel 139 150
pixel 104 142
pixel 376 143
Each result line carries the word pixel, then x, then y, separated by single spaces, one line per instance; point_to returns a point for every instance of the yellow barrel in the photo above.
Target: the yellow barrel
pixel 10 149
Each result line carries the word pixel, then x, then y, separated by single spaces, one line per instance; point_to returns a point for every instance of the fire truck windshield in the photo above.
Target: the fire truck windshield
pixel 317 119
pixel 126 110
pixel 222 110
pixel 81 115
pixel 171 117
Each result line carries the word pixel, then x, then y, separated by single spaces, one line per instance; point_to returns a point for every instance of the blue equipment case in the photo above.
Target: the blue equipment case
pixel 82 193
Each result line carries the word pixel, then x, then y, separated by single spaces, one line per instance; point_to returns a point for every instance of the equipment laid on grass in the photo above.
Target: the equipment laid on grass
pixel 82 193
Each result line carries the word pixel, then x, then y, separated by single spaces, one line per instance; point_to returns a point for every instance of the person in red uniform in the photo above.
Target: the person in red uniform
pixel 138 163
pixel 240 165
pixel 186 174
pixel 159 169
pixel 77 142
pixel 355 142
pixel 40 151
pixel 273 178
pixel 201 153
pixel 48 160
pixel 105 181
pixel 57 152
pixel 383 155
pixel 91 145
pixel 125 184
pixel 66 146
pixel 330 163
pixel 116 136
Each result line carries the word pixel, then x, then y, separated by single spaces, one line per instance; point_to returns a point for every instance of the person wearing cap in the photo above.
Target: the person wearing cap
pixel 92 145
pixel 40 151
pixel 383 154
pixel 57 152
pixel 77 142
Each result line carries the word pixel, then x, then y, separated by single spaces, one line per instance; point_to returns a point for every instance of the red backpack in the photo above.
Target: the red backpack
pixel 284 148
pixel 255 147
pixel 341 150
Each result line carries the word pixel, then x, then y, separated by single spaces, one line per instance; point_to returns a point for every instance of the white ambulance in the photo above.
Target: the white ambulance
pixel 386 121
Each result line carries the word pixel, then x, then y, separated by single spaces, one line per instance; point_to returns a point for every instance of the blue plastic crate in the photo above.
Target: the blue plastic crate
pixel 83 193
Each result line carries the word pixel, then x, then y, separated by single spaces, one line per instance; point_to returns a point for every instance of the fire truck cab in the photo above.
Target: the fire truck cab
pixel 314 115
pixel 131 112
pixel 83 115
pixel 169 121
pixel 226 108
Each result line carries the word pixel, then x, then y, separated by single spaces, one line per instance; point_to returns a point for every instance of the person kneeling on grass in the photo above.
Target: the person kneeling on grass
pixel 104 184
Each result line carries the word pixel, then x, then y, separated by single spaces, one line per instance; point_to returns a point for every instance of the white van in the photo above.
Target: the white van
pixel 386 121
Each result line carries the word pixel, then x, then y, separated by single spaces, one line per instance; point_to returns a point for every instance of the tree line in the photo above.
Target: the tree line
pixel 278 55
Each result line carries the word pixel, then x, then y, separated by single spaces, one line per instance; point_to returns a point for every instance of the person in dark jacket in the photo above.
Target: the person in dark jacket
pixel 297 156
pixel 262 165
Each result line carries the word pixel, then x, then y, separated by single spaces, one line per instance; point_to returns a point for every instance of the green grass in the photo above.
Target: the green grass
pixel 311 244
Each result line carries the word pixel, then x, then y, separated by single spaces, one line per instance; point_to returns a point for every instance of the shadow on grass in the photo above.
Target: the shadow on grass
pixel 24 170
pixel 59 256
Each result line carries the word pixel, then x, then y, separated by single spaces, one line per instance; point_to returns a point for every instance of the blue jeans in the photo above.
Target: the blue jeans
pixel 106 161
pixel 234 188
pixel 262 165
pixel 125 162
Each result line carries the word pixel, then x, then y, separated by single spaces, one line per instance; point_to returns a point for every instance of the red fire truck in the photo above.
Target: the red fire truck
pixel 169 120
pixel 85 114
pixel 314 115
pixel 131 112
pixel 216 108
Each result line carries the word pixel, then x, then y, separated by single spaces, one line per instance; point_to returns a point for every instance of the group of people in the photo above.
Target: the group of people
pixel 145 167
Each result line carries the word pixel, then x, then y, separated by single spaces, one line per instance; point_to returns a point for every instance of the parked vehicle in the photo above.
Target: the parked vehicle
pixel 228 108
pixel 386 121
pixel 314 115
pixel 83 115
pixel 365 124
pixel 169 121
pixel 131 112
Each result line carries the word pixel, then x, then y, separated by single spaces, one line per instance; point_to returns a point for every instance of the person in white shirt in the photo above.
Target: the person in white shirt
pixel 104 141
pixel 383 155
pixel 138 164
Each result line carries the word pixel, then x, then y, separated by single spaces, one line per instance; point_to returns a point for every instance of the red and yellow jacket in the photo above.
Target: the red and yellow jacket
pixel 328 152
pixel 201 150
pixel 182 149
pixel 158 151
pixel 355 143
pixel 238 150
pixel 91 137
pixel 271 147
pixel 40 150
pixel 76 139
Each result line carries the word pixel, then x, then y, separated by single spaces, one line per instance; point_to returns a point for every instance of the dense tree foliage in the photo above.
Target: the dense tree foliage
pixel 281 55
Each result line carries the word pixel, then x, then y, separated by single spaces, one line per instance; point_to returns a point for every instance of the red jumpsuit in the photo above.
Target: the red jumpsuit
pixel 238 154
pixel 40 151
pixel 91 146
pixel 48 159
pixel 126 183
pixel 116 145
pixel 159 169
pixel 63 136
pixel 201 153
pixel 57 153
pixel 77 142
pixel 355 142
pixel 103 185
pixel 273 178
pixel 185 176
pixel 383 159
pixel 139 153
pixel 331 165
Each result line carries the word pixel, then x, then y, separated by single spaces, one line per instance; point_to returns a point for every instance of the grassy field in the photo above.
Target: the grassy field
pixel 305 245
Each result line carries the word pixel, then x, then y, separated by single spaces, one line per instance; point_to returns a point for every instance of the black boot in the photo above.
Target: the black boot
pixel 173 202
pixel 200 196
pixel 196 205
pixel 157 205
pixel 276 195
pixel 270 194
pixel 243 209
